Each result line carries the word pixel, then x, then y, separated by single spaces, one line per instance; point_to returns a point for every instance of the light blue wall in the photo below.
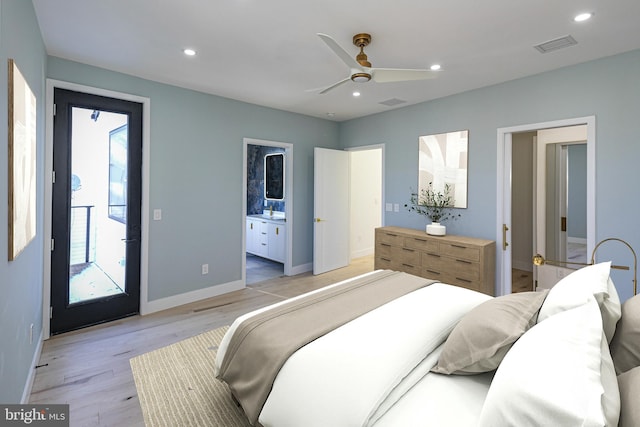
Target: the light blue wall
pixel 21 279
pixel 608 88
pixel 196 175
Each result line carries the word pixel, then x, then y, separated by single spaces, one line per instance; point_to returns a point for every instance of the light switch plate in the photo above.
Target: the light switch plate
pixel 157 214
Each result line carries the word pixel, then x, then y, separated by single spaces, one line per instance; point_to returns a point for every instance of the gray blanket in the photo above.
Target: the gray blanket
pixel 263 343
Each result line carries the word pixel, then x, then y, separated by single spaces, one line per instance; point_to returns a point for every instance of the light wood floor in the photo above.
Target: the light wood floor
pixel 89 369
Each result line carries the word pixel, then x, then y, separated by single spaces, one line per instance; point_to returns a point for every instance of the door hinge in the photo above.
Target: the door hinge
pixel 563 223
pixel 505 228
pixel 54 110
pixel 53 244
pixel 50 312
pixel 53 177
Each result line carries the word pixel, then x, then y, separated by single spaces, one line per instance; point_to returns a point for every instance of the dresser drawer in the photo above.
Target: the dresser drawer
pixel 461 268
pixel 421 244
pixel 433 273
pixel 474 285
pixel 384 250
pixel 389 239
pixel 471 253
pixel 432 260
pixel 406 256
pixel 382 263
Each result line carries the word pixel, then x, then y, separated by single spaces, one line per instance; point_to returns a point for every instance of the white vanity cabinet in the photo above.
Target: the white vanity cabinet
pixel 266 238
pixel 276 241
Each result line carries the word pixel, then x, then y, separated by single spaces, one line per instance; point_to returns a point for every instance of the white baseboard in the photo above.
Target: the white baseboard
pixel 28 386
pixel 362 252
pixel 580 240
pixel 189 297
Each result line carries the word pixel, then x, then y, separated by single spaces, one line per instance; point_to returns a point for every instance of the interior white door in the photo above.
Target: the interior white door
pixel 330 210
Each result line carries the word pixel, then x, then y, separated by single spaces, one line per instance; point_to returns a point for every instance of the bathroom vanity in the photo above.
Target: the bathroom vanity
pixel 266 236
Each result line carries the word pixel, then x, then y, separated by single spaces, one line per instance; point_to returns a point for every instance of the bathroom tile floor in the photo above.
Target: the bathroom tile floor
pixel 260 269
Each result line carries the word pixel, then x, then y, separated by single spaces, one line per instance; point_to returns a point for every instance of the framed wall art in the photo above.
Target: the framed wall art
pixel 22 162
pixel 443 162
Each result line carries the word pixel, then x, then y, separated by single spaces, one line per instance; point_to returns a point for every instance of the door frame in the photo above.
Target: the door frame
pixel 51 84
pixel 288 206
pixel 503 191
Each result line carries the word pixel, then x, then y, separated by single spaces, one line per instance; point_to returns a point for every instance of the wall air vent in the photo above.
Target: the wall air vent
pixel 556 44
pixel 392 102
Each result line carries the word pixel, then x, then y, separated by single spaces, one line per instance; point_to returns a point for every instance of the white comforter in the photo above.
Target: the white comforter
pixel 353 375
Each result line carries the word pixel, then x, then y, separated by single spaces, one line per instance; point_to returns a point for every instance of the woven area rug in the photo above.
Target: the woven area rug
pixel 176 386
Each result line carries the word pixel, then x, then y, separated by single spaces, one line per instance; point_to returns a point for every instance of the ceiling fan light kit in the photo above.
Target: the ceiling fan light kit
pixel 361 70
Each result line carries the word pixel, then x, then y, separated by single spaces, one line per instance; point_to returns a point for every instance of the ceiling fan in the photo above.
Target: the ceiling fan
pixel 361 70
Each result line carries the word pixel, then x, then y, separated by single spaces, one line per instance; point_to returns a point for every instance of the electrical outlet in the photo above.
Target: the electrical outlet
pixel 205 269
pixel 157 214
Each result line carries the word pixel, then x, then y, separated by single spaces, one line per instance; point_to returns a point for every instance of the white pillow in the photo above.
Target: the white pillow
pixel 575 289
pixel 555 374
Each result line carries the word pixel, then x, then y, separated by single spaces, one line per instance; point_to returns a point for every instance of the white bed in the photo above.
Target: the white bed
pixel 447 356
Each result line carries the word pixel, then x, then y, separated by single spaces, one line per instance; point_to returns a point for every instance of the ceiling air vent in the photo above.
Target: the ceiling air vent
pixel 392 102
pixel 556 44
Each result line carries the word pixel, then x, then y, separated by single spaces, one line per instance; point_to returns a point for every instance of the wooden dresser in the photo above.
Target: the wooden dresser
pixel 456 260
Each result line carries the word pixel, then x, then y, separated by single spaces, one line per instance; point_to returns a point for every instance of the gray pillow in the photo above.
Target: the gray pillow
pixel 483 336
pixel 625 345
pixel 629 384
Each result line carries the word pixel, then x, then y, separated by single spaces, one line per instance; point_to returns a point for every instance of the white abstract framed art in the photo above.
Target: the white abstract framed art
pixel 22 162
pixel 443 160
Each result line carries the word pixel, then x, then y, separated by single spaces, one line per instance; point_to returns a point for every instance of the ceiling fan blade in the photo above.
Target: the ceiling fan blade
pixel 384 75
pixel 335 85
pixel 335 47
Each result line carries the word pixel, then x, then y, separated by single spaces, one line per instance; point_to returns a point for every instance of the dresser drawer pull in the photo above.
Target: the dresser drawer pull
pixel 464 261
pixel 433 255
pixel 459 246
pixel 408 265
pixel 385 259
pixel 385 244
pixel 392 235
pixel 464 280
pixel 433 272
pixel 408 250
pixel 420 240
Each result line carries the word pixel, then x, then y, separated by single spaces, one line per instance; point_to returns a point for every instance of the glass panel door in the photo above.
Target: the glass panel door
pixel 96 210
pixel 97 248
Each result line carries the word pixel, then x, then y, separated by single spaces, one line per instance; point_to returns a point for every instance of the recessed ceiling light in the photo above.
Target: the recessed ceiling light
pixel 583 17
pixel 435 67
pixel 356 94
pixel 189 52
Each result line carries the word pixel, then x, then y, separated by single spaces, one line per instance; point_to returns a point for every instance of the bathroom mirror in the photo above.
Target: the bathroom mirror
pixel 443 161
pixel 274 176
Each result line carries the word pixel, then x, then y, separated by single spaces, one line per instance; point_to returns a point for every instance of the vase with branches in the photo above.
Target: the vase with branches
pixel 437 205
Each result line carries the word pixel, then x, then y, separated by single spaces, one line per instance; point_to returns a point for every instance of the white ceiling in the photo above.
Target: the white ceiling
pixel 266 52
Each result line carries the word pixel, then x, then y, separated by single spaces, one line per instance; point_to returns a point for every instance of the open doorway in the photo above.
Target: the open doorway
pixel 365 199
pixel 519 230
pixel 267 210
pixel 347 204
